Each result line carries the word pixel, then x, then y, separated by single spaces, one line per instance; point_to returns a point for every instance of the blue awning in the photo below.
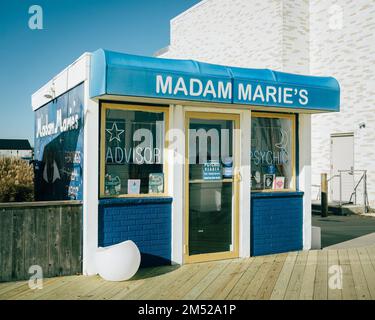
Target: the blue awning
pixel 121 74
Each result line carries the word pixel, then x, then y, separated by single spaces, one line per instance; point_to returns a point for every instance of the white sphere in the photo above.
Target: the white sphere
pixel 118 262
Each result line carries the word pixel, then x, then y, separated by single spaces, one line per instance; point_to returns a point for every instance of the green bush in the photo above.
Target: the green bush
pixel 16 180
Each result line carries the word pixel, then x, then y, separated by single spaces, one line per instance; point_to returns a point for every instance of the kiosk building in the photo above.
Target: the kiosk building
pixel 192 161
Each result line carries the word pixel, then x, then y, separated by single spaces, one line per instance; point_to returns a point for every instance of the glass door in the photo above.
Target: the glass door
pixel 211 187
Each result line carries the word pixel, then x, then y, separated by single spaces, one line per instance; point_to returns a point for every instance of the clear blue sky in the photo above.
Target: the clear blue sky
pixel 29 58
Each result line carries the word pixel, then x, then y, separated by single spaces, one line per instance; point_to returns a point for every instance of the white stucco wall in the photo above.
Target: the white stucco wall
pixel 255 34
pixel 295 36
pixel 230 32
pixel 345 49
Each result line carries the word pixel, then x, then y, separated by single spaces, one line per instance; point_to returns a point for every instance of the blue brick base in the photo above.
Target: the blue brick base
pixel 276 222
pixel 146 221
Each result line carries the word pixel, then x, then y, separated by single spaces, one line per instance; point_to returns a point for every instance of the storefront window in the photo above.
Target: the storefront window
pixel 133 153
pixel 272 152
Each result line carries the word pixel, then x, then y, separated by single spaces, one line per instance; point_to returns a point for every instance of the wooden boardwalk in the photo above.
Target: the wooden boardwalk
pixel 296 275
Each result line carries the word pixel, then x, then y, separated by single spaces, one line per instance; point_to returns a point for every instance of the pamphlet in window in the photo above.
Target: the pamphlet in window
pixel 279 183
pixel 134 186
pixel 156 183
pixel 212 170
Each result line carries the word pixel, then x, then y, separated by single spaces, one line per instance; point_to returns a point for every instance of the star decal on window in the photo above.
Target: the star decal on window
pixel 115 132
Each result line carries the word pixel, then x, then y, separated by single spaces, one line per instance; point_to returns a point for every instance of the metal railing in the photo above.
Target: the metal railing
pixel 353 196
pixel 362 179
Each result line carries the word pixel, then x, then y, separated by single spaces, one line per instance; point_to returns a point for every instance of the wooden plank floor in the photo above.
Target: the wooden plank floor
pixel 331 274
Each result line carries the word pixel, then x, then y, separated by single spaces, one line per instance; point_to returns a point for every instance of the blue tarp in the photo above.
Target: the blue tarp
pixel 121 74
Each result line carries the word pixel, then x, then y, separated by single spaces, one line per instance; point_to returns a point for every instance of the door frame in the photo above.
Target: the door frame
pixel 236 187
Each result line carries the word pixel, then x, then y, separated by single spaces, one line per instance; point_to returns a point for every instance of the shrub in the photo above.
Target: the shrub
pixel 16 180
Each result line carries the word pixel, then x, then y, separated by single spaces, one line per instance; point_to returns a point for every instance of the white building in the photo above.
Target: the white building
pixel 334 37
pixel 19 148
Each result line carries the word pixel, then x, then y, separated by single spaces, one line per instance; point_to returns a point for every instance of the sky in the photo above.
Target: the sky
pixel 29 58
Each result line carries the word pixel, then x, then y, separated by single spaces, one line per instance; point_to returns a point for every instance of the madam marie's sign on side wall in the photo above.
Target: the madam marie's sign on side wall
pixel 59 148
pixel 45 128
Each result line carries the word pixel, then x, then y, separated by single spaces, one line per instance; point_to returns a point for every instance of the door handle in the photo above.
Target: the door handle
pixel 238 177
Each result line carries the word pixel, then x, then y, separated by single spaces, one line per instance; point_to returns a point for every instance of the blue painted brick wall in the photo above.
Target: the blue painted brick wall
pixel 146 221
pixel 276 222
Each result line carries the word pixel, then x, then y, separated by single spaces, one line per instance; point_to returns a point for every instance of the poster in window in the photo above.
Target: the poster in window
pixel 156 183
pixel 212 170
pixel 279 183
pixel 268 180
pixel 134 186
pixel 112 185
